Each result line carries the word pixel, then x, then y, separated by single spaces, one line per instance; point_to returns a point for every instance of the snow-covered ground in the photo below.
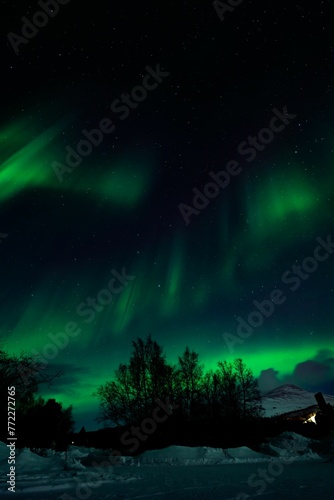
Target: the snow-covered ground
pixel 290 466
pixel 298 481
pixel 289 461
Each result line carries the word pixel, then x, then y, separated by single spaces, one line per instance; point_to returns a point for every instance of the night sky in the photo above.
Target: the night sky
pixel 130 204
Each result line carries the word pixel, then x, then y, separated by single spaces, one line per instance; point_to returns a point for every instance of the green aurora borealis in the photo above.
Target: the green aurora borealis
pixel 124 186
pixel 170 297
pixel 119 207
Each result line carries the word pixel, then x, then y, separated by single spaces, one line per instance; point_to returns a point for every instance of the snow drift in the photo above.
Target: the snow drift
pixel 60 471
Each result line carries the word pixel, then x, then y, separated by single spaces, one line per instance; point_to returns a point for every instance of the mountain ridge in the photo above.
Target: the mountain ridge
pixel 288 398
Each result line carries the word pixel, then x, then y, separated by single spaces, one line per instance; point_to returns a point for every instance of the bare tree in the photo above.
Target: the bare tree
pixel 250 395
pixel 190 377
pixel 118 402
pixel 210 395
pixel 26 374
pixel 229 390
pixel 131 395
pixel 238 390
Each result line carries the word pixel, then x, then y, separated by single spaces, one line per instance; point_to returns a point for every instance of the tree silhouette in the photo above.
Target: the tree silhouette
pixel 131 396
pixel 210 395
pixel 190 374
pixel 26 374
pixel 238 391
pixel 48 423
pixel 249 391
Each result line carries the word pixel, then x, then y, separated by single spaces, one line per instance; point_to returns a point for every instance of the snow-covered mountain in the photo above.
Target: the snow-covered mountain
pixel 289 398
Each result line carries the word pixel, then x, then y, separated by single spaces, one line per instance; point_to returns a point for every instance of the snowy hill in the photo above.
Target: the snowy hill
pixel 288 398
pixel 197 455
pixel 58 472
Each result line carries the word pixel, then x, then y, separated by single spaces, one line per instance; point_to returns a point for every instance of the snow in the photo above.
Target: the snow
pixel 200 455
pixel 3 451
pixel 56 474
pixel 294 446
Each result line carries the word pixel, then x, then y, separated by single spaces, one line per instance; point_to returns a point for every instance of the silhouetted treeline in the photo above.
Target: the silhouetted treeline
pixel 38 423
pixel 193 394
